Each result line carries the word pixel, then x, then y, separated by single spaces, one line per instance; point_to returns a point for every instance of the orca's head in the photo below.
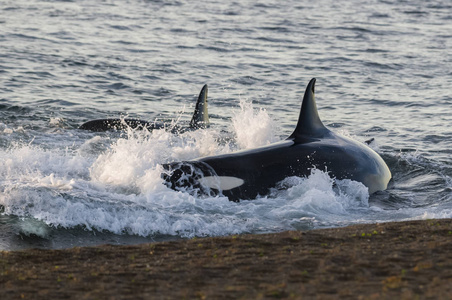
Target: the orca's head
pixel 187 176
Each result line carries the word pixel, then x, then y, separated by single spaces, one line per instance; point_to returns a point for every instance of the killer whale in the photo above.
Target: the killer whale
pixel 249 173
pixel 200 119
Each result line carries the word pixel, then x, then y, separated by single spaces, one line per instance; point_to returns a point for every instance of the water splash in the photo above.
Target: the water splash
pixel 253 127
pixel 115 185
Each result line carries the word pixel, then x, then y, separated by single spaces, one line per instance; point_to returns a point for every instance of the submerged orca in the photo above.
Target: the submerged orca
pixel 249 173
pixel 200 119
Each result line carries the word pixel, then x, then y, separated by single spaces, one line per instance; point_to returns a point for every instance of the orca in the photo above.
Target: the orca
pixel 249 173
pixel 200 119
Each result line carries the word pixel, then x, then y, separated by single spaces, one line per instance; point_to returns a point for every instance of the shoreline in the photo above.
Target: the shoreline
pixel 371 261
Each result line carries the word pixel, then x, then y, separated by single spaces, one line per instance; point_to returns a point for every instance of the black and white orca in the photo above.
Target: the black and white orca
pixel 200 119
pixel 249 173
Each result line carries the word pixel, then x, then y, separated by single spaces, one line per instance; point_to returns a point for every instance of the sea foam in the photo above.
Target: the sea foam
pixel 113 183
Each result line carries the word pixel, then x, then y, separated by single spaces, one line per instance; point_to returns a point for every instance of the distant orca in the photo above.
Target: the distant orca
pixel 249 173
pixel 200 119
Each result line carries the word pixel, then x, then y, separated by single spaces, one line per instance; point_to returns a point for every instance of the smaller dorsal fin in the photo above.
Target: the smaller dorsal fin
pixel 309 124
pixel 200 117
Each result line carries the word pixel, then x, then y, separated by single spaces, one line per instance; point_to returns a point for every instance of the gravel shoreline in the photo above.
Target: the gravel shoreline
pixel 402 260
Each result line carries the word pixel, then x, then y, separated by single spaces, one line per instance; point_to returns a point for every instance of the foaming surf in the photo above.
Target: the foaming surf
pixel 113 184
pixel 252 127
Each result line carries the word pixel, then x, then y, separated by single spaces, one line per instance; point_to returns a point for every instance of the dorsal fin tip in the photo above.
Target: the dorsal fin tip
pixel 309 123
pixel 312 84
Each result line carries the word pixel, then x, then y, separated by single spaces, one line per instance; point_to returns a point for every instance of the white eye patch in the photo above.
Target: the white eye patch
pixel 222 183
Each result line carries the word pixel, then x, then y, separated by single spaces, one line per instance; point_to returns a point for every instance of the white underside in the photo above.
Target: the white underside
pixel 222 183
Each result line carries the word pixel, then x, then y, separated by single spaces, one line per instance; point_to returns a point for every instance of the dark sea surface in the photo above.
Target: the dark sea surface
pixel 383 71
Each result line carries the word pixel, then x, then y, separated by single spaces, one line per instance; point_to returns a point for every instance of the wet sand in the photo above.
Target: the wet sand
pixel 399 260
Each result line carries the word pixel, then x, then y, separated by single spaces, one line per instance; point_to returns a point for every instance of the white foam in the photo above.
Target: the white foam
pixel 114 184
pixel 5 129
pixel 317 198
pixel 33 227
pixel 56 122
pixel 253 128
pixel 132 162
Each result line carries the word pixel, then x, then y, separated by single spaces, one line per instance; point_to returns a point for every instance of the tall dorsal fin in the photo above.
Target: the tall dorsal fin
pixel 200 117
pixel 309 124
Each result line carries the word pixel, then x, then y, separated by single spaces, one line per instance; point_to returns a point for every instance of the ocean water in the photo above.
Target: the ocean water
pixel 383 71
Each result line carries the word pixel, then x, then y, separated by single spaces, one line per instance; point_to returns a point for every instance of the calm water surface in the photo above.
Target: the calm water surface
pixel 383 71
